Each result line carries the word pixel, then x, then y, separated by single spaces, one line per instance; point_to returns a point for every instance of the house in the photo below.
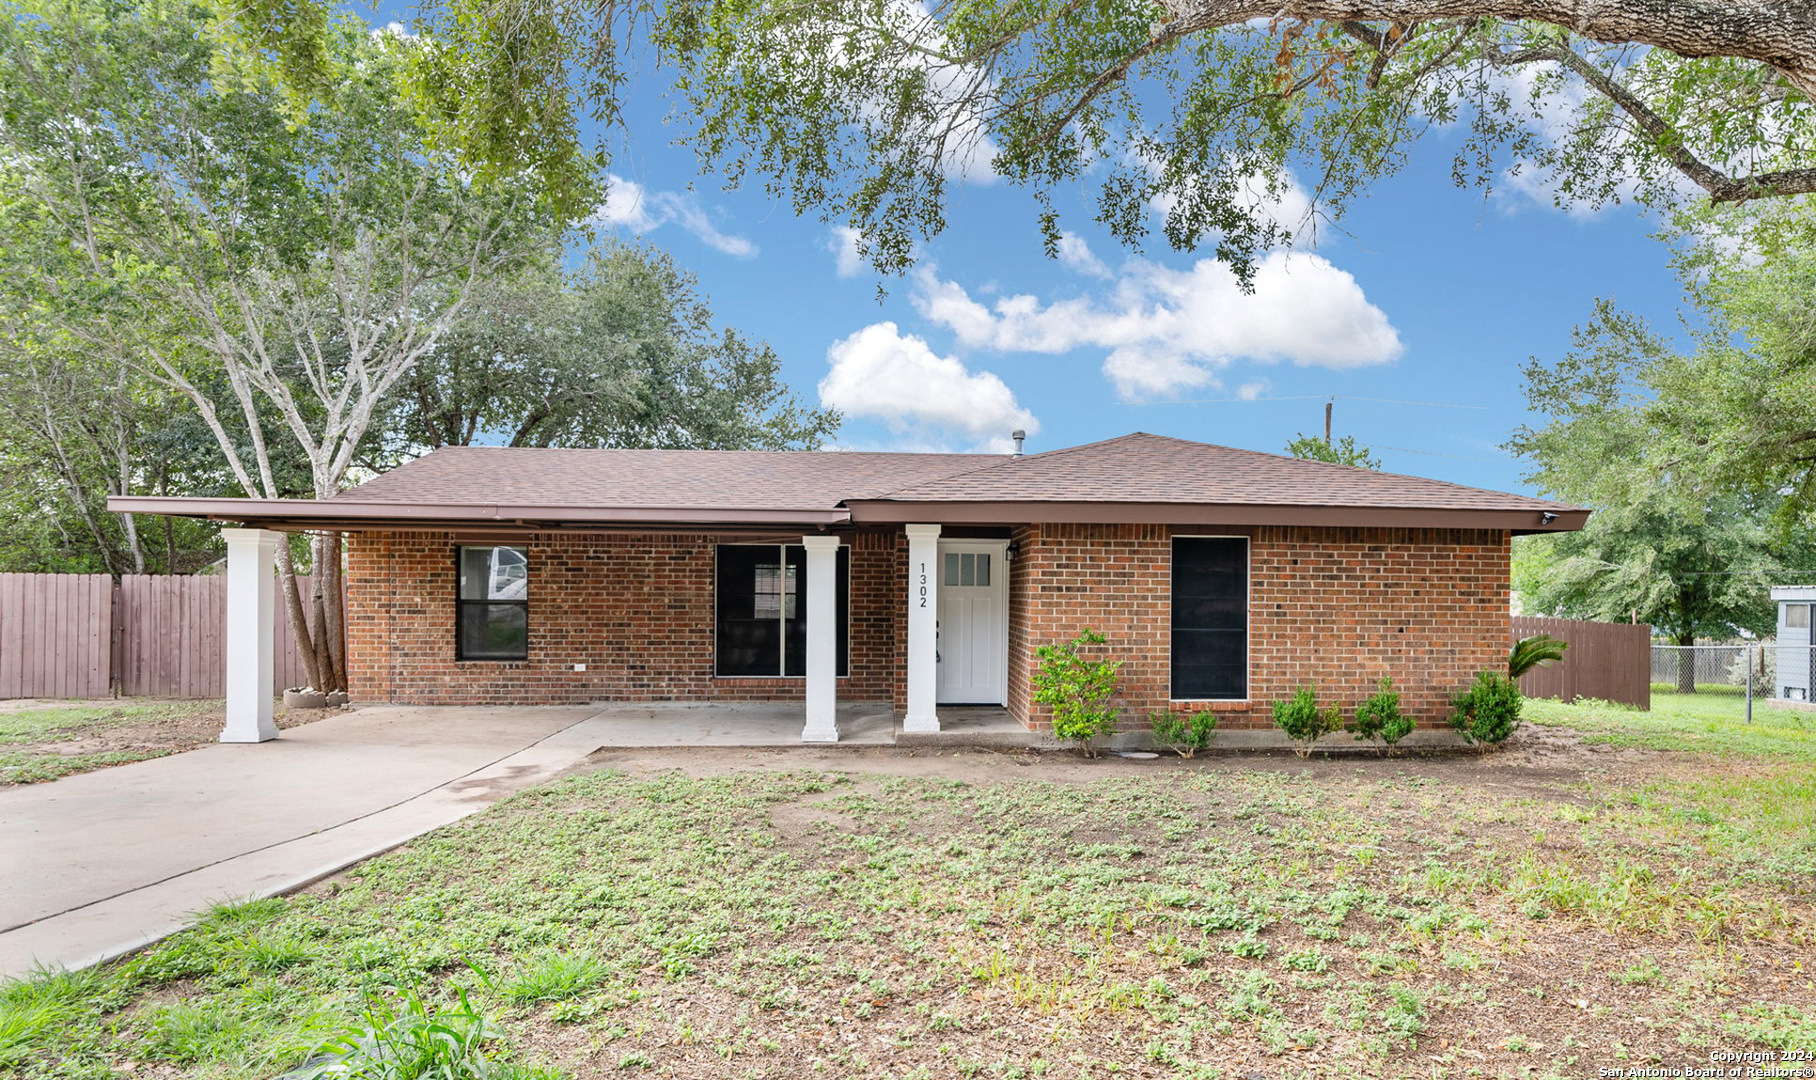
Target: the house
pixel 1223 578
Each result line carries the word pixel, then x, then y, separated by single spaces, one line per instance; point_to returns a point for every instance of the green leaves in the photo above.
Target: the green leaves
pixel 865 112
pixel 1535 651
pixel 1345 451
pixel 622 352
pixel 1304 721
pixel 1489 711
pixel 1694 459
pixel 1078 689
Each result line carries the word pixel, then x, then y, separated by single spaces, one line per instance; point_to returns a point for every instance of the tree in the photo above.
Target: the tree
pixel 864 112
pixel 1666 543
pixel 622 352
pixel 278 263
pixel 1345 451
pixel 1690 569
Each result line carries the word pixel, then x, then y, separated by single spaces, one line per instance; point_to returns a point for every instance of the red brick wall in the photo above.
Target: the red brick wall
pixel 1334 607
pixel 637 610
pixel 1338 607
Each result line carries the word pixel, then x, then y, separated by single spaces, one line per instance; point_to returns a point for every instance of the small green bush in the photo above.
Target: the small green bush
pixel 1304 721
pixel 1184 733
pixel 405 1038
pixel 1078 690
pixel 1489 711
pixel 1379 717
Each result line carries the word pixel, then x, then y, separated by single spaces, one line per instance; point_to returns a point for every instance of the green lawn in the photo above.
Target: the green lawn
pixel 1451 916
pixel 45 743
pixel 1711 720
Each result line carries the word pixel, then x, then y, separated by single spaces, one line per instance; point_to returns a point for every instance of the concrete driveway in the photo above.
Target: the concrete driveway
pixel 97 865
pixel 100 864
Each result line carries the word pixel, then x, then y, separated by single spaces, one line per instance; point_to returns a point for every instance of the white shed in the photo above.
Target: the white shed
pixel 1795 656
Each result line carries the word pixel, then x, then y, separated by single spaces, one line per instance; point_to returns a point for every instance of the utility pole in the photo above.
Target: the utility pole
pixel 1327 406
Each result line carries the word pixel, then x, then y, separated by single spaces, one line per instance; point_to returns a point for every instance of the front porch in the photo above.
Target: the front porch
pixel 751 724
pixel 797 632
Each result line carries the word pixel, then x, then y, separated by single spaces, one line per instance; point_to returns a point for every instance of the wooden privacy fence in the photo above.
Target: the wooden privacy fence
pixel 82 636
pixel 1609 661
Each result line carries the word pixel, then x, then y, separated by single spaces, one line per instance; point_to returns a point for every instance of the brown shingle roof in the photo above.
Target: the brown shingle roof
pixel 1135 478
pixel 1143 468
pixel 656 479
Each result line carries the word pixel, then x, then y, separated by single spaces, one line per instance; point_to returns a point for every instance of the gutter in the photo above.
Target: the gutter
pixel 355 513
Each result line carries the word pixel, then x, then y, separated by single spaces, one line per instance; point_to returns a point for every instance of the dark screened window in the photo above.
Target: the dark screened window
pixel 762 610
pixel 493 621
pixel 1210 618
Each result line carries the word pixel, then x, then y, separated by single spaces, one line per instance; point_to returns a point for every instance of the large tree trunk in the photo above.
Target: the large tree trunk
pixel 296 607
pixel 330 618
pixel 1686 665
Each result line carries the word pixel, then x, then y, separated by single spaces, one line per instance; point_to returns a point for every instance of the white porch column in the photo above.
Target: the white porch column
pixel 923 628
pixel 251 597
pixel 822 638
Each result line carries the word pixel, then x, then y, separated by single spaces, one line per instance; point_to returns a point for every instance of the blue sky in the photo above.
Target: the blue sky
pixel 1424 293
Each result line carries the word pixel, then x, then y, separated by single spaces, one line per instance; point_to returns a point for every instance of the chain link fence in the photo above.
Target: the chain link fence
pixel 1755 669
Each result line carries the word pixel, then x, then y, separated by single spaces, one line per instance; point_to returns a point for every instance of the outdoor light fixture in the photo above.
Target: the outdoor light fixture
pixel 1010 551
pixel 1546 517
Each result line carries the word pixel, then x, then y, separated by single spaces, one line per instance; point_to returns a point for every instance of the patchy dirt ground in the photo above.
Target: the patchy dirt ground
pixel 45 740
pixel 1561 908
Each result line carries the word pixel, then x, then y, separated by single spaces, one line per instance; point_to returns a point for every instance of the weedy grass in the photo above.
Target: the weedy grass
pixel 29 738
pixel 1200 920
pixel 1711 721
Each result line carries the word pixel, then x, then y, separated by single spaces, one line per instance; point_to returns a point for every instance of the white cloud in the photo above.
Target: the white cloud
pixel 1167 330
pixel 883 374
pixel 1075 253
pixel 843 244
pixel 631 206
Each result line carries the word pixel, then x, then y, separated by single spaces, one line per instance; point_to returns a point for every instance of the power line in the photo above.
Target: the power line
pixel 1308 397
pixel 1430 453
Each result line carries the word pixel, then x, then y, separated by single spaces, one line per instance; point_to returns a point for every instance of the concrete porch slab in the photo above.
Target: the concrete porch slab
pixel 740 723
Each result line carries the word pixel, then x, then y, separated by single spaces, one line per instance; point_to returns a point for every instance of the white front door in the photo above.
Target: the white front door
pixel 974 623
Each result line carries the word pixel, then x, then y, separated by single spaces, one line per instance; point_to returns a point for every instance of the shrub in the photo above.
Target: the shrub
pixel 1379 717
pixel 1304 721
pixel 1489 711
pixel 1534 651
pixel 1078 690
pixel 1184 733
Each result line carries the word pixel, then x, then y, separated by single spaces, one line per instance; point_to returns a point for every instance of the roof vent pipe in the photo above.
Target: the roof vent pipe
pixel 1018 435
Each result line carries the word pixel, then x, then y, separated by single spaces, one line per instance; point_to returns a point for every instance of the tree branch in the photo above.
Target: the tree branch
pixel 1782 36
pixel 1721 187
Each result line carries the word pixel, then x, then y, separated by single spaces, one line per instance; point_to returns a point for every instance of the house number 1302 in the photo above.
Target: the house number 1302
pixel 923 584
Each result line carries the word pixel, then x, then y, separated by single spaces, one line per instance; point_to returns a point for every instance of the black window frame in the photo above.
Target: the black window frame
pixel 787 629
pixel 1174 630
pixel 462 606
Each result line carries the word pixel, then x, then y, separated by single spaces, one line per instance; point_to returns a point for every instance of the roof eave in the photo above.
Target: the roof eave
pixel 1518 520
pixel 354 515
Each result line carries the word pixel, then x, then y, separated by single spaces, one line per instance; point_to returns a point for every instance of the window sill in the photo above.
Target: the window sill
pixel 1215 704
